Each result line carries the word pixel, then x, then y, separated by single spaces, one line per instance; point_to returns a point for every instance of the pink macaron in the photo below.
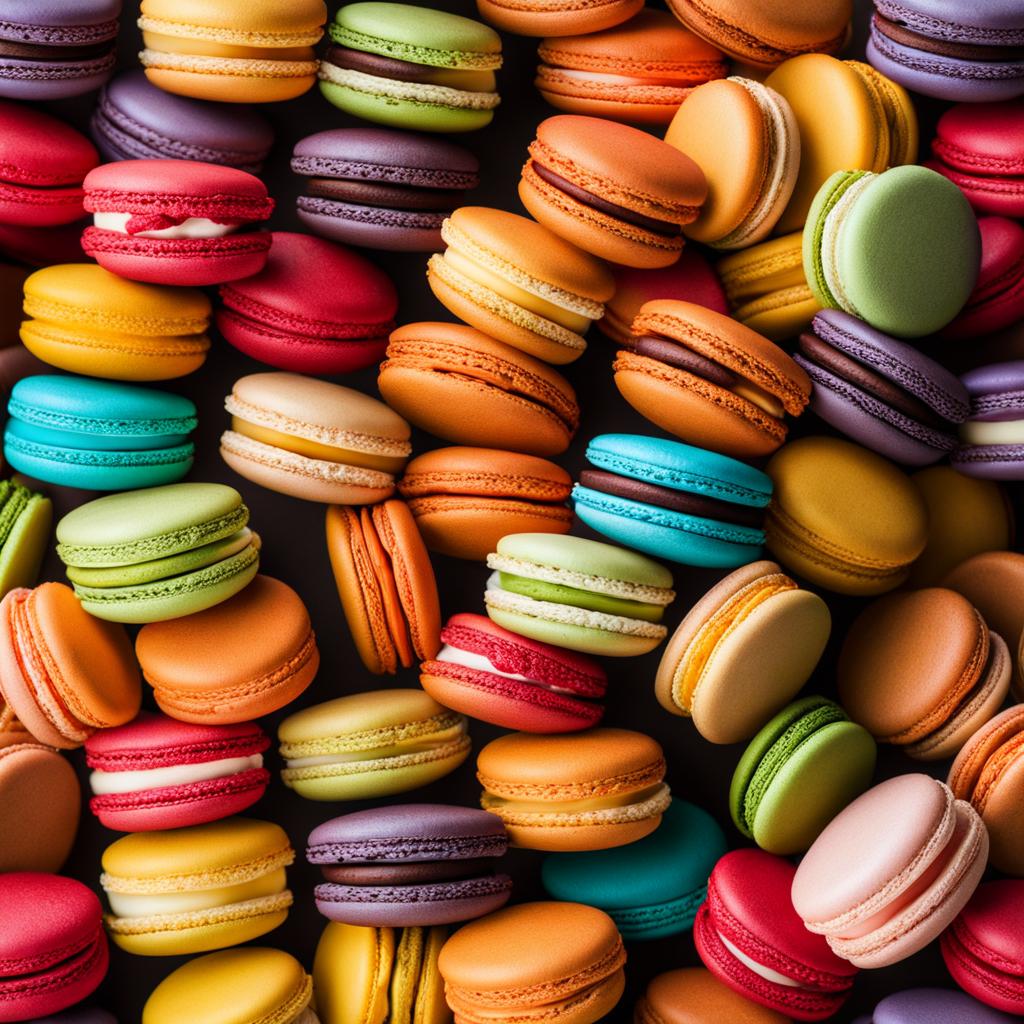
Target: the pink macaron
pixel 156 772
pixel 177 222
pixel 892 870
pixel 496 676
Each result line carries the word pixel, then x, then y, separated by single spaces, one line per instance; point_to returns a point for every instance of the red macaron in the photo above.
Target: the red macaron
pixel 750 937
pixel 178 222
pixel 496 676
pixel 316 307
pixel 157 773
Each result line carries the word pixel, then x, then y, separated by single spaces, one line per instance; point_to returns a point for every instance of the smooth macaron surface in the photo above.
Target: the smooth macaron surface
pixel 531 18
pixel 693 995
pixel 925 1005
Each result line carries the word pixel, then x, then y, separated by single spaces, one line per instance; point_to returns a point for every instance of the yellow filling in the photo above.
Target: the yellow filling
pixel 210 48
pixel 145 904
pixel 764 401
pixel 469 81
pixel 316 450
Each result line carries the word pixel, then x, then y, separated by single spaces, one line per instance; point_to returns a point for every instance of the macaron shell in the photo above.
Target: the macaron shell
pixel 693 995
pixel 564 20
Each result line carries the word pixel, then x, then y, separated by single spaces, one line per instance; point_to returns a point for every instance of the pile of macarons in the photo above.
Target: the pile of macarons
pixel 504 529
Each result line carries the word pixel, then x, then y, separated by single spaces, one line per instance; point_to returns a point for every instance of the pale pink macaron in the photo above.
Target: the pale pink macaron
pixel 891 871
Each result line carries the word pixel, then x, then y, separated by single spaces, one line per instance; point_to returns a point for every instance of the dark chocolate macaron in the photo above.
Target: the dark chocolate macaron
pixel 380 188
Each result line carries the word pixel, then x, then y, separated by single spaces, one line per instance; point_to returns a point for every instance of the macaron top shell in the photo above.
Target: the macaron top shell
pixel 263 23
pixel 92 16
pixel 48 916
pixel 935 1006
pixel 39 150
pixel 693 995
pixel 982 138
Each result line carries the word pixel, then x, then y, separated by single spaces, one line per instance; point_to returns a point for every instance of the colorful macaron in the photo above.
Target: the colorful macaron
pixel 672 500
pixel 920 1005
pixel 97 434
pixel 992 438
pixel 382 188
pixel 709 380
pixel 497 676
pixel 997 300
pixel 693 995
pixel 518 282
pixel 583 791
pixel 742 652
pixel 567 18
pixel 313 439
pixel 158 553
pixel 411 67
pixel 410 865
pixel 25 519
pixel 157 773
pixel 189 890
pixel 293 315
pixel 367 745
pixel 577 593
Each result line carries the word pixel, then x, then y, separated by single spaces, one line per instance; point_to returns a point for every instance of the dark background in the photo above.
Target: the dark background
pixel 294 550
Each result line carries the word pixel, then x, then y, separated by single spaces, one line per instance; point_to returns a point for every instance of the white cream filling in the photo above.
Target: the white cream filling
pixel 104 783
pixel 759 969
pixel 306 1017
pixel 192 227
pixel 993 432
pixel 125 904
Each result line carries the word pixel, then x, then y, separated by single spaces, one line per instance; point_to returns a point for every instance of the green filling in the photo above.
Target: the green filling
pixel 559 594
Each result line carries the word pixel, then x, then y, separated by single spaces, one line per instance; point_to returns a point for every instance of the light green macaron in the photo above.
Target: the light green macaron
pixel 580 594
pixel 25 520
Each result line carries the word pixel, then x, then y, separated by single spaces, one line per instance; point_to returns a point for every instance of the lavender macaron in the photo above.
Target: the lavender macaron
pixel 935 1006
pixel 134 120
pixel 380 188
pixel 410 864
pixel 993 437
pixel 882 392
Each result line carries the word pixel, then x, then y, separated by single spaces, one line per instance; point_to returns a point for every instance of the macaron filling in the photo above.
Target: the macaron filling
pixel 948 46
pixel 124 223
pixel 106 783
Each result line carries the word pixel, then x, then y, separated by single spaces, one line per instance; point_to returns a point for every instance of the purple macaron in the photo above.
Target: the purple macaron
pixel 993 437
pixel 964 52
pixel 382 189
pixel 411 864
pixel 882 392
pixel 935 1006
pixel 52 49
pixel 134 120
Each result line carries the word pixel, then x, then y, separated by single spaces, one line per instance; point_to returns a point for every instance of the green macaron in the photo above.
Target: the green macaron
pixel 25 520
pixel 798 773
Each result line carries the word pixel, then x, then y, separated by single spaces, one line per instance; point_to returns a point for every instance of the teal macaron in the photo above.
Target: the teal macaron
pixel 673 500
pixel 98 434
pixel 158 553
pixel 652 888
pixel 798 773
pixel 412 67
pixel 900 250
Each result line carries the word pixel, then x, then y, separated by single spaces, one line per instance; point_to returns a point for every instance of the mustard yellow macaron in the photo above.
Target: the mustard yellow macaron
pixel 190 890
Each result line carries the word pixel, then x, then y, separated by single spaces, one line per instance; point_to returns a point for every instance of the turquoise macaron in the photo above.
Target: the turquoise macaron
pixel 798 773
pixel 900 250
pixel 98 434
pixel 673 500
pixel 652 888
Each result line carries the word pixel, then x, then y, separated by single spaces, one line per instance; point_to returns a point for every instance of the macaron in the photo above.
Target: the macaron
pixel 709 380
pixel 157 773
pixel 750 937
pixel 924 1005
pixel 742 652
pixel 386 584
pixel 751 171
pixel 639 71
pixel 800 770
pixel 409 865
pixel 367 745
pixel 992 442
pixel 497 676
pixel 923 241
pixel 98 434
pixel 236 986
pixel 550 960
pixel 693 995
pixel 881 392
pixel 53 950
pixel 313 439
pixel 45 161
pixel 158 553
pixel 572 17
pixel 582 791
pixel 261 54
pixel 518 282
pixel 465 499
pixel 459 384
pixel 84 319
pixel 25 518
pixel 576 593
pixel 65 673
pixel 39 791
pixel 612 190
pixel 673 500
pixel 52 53
pixel 293 314
pixel 381 188
pixel 176 221
pixel 891 871
pixel 190 890
pixel 982 948
pixel 843 517
pixel 135 120
pixel 411 67
pixel 652 888
pixel 206 669
pixel 949 54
